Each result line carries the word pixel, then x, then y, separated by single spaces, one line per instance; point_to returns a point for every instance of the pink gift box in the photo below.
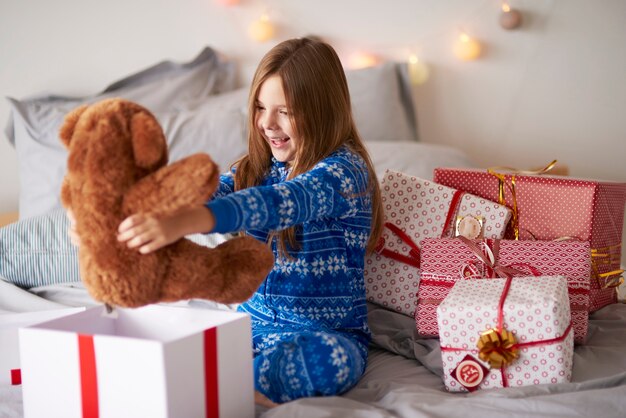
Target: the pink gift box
pixel 535 310
pixel 415 209
pixel 551 207
pixel 446 261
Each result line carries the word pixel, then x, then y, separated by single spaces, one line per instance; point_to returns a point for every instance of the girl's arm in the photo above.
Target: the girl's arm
pixel 331 189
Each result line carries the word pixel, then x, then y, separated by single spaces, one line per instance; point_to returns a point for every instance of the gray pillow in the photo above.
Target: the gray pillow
pixel 382 102
pixel 34 122
pixel 196 114
pixel 37 251
pixel 215 125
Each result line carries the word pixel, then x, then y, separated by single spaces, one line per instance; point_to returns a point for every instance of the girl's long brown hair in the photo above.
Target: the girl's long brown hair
pixel 317 96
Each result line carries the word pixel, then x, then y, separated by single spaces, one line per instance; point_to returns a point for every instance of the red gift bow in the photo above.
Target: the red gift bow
pixel 413 259
pixel 492 267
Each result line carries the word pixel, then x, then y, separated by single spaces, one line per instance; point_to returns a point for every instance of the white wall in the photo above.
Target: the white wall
pixel 555 88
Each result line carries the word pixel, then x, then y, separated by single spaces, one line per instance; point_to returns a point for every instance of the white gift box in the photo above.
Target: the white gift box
pixel 10 323
pixel 154 361
pixel 535 310
pixel 415 209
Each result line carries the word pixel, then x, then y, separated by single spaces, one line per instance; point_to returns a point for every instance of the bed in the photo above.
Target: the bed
pixel 199 101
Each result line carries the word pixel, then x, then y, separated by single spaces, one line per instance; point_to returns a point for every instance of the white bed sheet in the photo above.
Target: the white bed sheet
pixel 402 378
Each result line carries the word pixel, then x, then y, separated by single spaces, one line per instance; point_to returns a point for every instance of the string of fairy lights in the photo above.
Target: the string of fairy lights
pixel 466 48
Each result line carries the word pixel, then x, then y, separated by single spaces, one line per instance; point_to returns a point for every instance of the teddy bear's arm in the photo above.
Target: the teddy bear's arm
pixel 185 183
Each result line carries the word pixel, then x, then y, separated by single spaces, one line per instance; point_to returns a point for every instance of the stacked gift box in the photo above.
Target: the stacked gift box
pixel 416 209
pixel 552 207
pixel 546 229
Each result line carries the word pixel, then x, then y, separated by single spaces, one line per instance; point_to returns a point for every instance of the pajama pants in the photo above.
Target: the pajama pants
pixel 294 364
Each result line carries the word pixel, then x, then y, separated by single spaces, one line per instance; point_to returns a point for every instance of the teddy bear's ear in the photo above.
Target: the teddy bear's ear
pixel 149 144
pixel 67 129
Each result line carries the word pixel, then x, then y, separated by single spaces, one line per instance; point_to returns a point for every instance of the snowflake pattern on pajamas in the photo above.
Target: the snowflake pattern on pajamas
pixel 291 365
pixel 318 296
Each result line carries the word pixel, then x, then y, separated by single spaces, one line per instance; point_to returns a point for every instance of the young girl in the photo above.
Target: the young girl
pixel 308 188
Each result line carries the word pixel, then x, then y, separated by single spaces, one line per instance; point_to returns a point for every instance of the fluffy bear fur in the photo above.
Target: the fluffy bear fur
pixel 117 166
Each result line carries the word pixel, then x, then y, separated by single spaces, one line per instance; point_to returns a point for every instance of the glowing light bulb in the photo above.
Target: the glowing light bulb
pixel 510 18
pixel 466 48
pixel 360 60
pixel 228 2
pixel 262 30
pixel 418 71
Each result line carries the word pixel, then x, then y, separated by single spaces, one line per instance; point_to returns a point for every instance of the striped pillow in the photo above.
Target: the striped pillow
pixel 37 251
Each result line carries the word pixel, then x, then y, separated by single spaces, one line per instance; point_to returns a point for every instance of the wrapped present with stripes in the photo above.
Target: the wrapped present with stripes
pixel 549 207
pixel 154 361
pixel 415 209
pixel 446 261
pixel 506 332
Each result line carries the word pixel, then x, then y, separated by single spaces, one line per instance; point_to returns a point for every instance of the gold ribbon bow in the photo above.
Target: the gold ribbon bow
pixel 502 183
pixel 607 256
pixel 498 349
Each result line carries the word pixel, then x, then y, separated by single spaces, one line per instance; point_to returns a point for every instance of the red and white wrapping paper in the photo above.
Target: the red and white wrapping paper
pixel 446 261
pixel 155 361
pixel 535 310
pixel 552 207
pixel 10 323
pixel 415 209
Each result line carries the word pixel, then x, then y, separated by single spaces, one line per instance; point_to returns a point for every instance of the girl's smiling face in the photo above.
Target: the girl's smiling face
pixel 274 122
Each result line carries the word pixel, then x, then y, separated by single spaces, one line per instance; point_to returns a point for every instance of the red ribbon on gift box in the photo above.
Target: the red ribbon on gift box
pixel 413 259
pixel 89 374
pixel 492 266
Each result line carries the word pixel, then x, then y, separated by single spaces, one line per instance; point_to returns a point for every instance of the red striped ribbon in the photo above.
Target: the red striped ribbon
pixel 452 210
pixel 88 376
pixel 16 376
pixel 413 258
pixel 211 385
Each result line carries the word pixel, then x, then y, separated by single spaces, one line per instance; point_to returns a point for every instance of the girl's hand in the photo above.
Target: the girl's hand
pixel 74 238
pixel 147 233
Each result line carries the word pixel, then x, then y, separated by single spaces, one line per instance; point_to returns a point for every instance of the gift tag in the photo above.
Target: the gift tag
pixel 469 226
pixel 470 373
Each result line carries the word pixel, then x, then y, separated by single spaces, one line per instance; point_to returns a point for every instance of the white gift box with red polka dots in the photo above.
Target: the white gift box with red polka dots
pixel 552 207
pixel 445 261
pixel 535 310
pixel 154 361
pixel 415 209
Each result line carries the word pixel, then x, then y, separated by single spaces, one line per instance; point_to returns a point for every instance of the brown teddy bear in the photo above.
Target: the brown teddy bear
pixel 117 166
